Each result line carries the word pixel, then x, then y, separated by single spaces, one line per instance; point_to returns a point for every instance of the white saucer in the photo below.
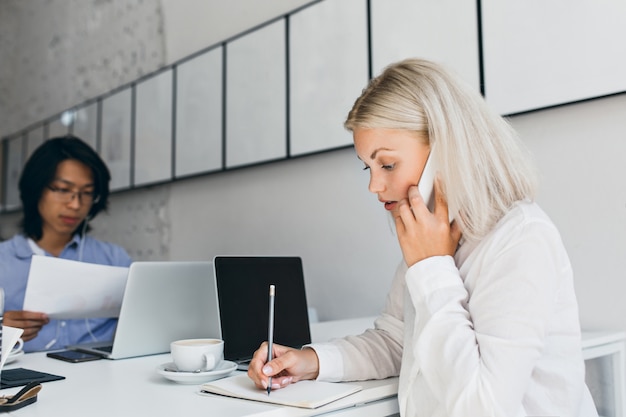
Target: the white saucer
pixel 13 356
pixel 223 369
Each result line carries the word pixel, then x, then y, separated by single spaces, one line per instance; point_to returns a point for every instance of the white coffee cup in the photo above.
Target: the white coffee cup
pixel 191 355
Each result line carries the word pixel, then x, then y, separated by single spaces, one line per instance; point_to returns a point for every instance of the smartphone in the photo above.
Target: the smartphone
pixel 426 186
pixel 73 356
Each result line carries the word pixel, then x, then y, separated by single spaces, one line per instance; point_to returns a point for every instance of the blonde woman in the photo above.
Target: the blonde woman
pixel 481 318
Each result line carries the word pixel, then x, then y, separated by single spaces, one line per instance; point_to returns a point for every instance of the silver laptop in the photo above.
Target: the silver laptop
pixel 163 302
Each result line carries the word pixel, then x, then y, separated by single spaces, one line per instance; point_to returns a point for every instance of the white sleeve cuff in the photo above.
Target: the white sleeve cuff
pixel 330 361
pixel 431 275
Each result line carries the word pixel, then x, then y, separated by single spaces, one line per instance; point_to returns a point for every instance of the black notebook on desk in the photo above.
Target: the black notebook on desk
pixel 17 377
pixel 242 291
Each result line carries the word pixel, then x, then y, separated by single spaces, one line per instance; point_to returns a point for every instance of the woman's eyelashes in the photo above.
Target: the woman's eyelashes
pixel 387 167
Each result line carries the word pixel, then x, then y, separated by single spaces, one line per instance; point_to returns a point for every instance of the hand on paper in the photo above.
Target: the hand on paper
pixel 423 234
pixel 289 365
pixel 30 321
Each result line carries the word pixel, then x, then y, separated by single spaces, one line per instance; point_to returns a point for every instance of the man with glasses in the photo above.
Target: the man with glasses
pixel 63 185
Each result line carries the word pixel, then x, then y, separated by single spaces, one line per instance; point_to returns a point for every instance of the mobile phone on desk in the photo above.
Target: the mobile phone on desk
pixel 426 186
pixel 73 356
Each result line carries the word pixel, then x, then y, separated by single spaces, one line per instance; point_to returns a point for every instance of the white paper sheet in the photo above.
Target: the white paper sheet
pixel 9 339
pixel 66 289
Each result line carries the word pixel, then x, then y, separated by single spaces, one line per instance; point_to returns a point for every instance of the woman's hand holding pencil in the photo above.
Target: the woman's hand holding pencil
pixel 275 366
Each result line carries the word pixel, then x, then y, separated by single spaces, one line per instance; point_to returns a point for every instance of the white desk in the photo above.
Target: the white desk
pixel 608 346
pixel 131 387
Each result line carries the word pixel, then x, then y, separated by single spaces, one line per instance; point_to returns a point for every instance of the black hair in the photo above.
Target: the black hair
pixel 40 170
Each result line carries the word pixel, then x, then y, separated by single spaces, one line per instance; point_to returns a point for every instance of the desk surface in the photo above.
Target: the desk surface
pixel 133 387
pixel 597 338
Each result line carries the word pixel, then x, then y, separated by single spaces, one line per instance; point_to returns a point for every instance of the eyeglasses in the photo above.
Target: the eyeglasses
pixel 65 195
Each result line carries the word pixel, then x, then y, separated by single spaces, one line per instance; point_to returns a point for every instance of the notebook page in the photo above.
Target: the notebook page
pixel 304 394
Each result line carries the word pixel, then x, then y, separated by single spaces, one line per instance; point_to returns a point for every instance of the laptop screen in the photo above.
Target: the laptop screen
pixel 243 298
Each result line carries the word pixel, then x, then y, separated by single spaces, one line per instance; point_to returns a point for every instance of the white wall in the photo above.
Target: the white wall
pixel 581 152
pixel 316 207
pixel 57 54
pixel 192 25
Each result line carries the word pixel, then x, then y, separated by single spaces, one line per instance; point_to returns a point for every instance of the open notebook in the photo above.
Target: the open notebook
pixel 304 394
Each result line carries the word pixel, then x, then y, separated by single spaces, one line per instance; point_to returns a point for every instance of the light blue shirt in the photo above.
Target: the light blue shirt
pixel 15 257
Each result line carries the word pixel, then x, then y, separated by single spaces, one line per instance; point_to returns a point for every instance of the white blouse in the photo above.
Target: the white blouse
pixel 493 331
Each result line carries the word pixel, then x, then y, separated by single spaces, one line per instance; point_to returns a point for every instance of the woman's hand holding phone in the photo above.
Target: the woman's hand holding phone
pixel 423 234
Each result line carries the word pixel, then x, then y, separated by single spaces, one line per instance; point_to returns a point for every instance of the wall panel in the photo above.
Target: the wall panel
pixel 445 31
pixel 540 54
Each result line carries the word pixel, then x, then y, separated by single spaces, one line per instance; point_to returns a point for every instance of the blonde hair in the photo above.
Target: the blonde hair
pixel 480 160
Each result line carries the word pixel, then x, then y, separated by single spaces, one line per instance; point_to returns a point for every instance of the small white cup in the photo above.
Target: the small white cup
pixel 192 355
